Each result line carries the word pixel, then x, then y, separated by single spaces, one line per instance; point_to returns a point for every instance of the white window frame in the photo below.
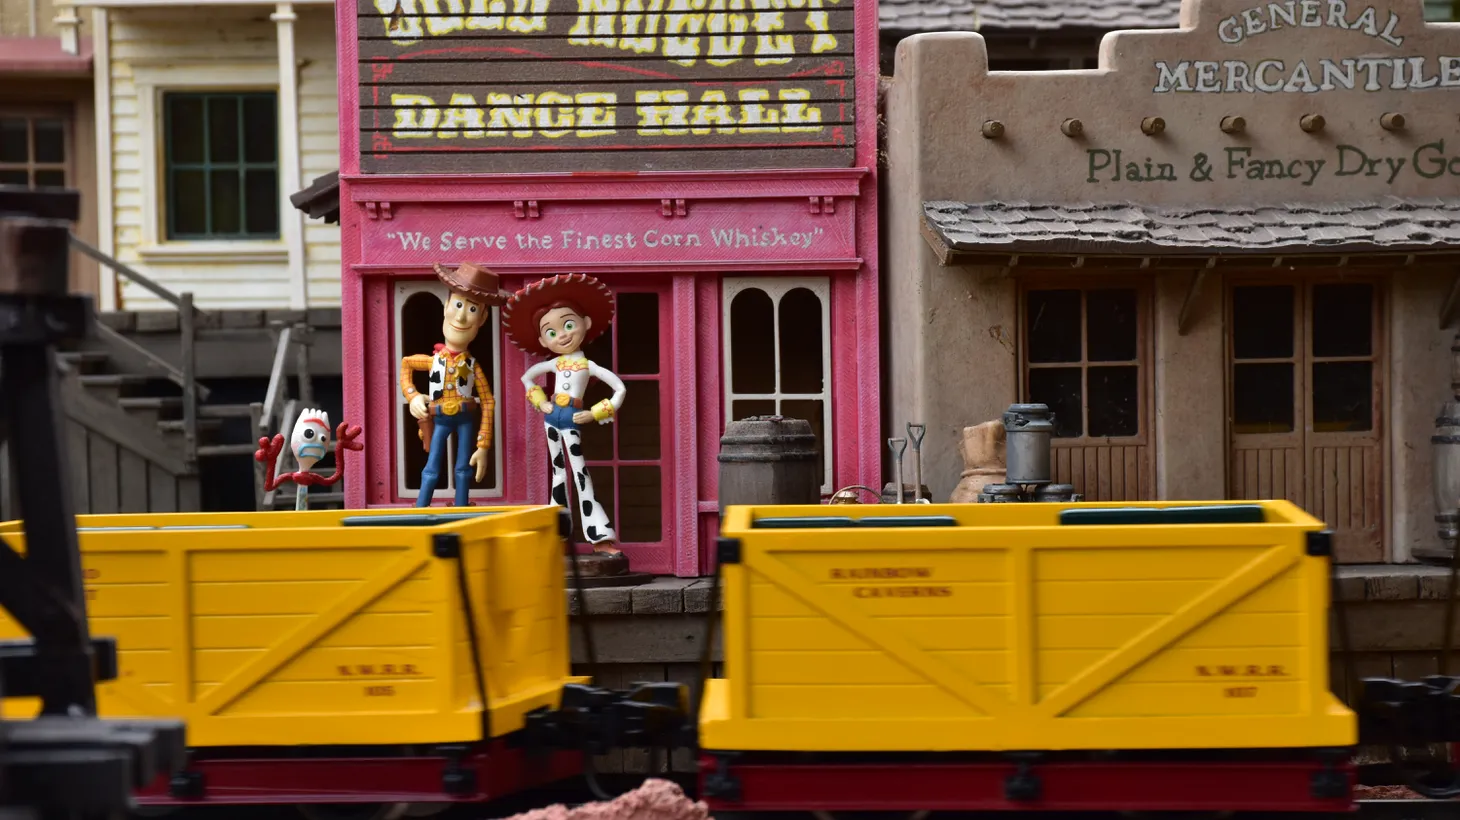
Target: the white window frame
pixel 404 291
pixel 151 82
pixel 776 287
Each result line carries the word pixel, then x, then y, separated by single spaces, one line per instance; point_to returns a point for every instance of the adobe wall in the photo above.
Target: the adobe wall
pixel 1193 78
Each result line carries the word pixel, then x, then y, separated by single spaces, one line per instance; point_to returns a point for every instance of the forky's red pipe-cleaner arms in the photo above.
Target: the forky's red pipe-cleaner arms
pixel 309 443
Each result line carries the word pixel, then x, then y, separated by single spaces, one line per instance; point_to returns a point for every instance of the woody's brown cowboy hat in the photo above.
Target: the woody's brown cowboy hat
pixel 474 281
pixel 590 297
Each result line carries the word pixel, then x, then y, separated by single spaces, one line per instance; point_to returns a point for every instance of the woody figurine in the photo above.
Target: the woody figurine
pixel 556 317
pixel 460 400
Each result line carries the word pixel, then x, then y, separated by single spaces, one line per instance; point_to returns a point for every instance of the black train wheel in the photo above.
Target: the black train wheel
pixel 353 811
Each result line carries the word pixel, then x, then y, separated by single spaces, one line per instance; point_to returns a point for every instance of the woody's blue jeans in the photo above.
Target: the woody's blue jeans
pixel 464 425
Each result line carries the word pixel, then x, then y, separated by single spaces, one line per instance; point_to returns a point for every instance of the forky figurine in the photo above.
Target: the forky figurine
pixel 309 442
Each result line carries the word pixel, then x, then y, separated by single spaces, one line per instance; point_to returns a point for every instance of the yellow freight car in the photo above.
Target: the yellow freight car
pixel 327 627
pixel 998 627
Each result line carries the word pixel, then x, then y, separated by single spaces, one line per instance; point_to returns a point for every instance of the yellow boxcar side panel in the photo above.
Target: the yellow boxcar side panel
pixel 296 630
pixel 1010 631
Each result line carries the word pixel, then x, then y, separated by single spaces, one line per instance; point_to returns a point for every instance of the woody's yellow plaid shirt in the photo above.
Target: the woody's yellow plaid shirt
pixel 451 401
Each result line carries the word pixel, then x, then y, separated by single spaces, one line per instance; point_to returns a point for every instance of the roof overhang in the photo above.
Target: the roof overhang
pixel 43 56
pixel 1379 233
pixel 321 200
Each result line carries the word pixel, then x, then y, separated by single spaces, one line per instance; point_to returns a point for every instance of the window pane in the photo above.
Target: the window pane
pixel 263 201
pixel 50 178
pixel 744 409
pixel 638 427
pixel 14 140
pixel 190 204
pixel 1262 322
pixel 14 177
pixel 1059 387
pixel 1262 398
pixel 811 411
pixel 752 343
pixel 1053 319
pixel 1110 327
pixel 603 493
pixel 637 321
pixel 801 342
pixel 226 216
pixel 1114 401
pixel 641 504
pixel 185 128
pixel 598 439
pixel 1343 320
pixel 260 133
pixel 1343 397
pixel 50 141
pixel 223 129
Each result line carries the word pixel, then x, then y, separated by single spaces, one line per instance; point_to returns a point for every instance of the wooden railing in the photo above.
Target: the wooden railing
pixel 277 413
pixel 133 355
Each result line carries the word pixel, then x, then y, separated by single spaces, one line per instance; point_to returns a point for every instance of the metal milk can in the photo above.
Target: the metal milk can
pixel 1028 429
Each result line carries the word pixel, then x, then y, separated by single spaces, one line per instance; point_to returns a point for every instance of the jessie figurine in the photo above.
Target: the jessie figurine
pixel 461 401
pixel 309 442
pixel 556 317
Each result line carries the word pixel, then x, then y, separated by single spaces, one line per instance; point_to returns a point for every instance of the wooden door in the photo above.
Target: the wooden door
pixel 1086 355
pixel 1304 403
pixel 630 460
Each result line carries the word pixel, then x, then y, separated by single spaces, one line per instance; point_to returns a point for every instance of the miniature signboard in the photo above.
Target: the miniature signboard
pixel 1249 103
pixel 492 86
pixel 597 234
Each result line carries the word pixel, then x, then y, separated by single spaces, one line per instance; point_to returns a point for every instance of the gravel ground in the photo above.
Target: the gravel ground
pixel 1385 793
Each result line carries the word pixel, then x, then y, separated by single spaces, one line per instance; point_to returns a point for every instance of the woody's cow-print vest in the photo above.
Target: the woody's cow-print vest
pixel 464 376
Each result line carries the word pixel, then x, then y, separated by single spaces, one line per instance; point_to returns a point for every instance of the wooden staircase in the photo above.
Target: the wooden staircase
pixel 137 425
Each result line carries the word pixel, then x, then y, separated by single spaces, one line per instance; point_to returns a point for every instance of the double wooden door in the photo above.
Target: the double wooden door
pixel 1304 401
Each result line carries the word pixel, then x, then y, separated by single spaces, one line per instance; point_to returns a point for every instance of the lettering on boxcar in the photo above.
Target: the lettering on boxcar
pixel 381 670
pixel 1240 692
pixel 380 691
pixel 90 574
pixel 902 592
pixel 1242 671
pixel 876 573
pixel 450 86
pixel 91 594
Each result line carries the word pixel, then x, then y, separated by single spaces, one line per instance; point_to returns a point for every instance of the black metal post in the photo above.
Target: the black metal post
pixel 65 764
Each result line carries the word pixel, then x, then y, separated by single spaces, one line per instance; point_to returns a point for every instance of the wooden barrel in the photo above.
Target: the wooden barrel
pixel 768 460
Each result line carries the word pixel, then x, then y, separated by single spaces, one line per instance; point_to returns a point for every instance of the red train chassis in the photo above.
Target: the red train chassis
pixel 475 773
pixel 747 783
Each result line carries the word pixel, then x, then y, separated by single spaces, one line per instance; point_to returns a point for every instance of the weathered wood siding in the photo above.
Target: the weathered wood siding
pixel 219 40
pixel 642 86
pixel 116 464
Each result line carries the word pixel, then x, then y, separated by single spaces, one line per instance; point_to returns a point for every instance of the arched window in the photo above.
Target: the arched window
pixel 777 353
pixel 418 313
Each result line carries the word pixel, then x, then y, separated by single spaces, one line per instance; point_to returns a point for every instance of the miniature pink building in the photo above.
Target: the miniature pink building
pixel 716 169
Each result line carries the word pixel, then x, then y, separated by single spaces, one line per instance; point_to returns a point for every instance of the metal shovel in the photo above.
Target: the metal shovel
pixel 898 447
pixel 916 432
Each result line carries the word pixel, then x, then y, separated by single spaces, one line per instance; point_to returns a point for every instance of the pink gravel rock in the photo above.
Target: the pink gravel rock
pixel 655 800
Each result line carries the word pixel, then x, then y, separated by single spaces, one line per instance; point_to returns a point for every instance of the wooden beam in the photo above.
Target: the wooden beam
pixel 941 248
pixel 1451 306
pixel 1183 321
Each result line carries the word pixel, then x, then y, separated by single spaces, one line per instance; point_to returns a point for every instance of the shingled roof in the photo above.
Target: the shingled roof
pixel 1389 225
pixel 1027 15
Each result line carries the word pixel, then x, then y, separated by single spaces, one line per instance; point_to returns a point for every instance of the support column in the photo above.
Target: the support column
pixel 291 219
pixel 68 25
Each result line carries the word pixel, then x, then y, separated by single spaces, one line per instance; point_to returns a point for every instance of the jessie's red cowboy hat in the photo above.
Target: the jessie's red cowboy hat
pixel 474 281
pixel 583 292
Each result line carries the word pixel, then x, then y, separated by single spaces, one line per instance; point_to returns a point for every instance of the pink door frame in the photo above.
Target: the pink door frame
pixel 694 314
